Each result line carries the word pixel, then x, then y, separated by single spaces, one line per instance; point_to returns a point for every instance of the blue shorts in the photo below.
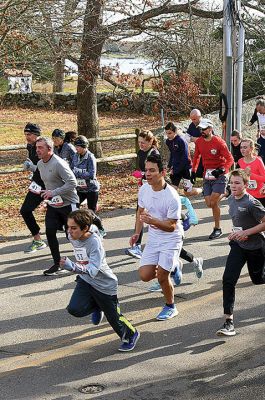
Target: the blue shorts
pixel 214 186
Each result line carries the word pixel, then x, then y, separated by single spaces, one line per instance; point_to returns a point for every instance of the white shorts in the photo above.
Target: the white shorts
pixel 168 259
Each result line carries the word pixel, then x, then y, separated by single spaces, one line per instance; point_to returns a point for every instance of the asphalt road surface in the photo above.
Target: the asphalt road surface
pixel 46 354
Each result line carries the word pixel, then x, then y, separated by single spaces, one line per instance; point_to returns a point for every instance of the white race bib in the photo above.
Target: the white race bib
pixel 81 183
pixel 34 188
pixel 56 201
pixel 237 228
pixel 208 175
pixel 81 255
pixel 187 185
pixel 252 184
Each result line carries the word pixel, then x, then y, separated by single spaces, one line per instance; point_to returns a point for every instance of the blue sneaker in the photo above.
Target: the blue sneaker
pixel 129 346
pixel 155 287
pixel 97 317
pixel 178 274
pixel 135 251
pixel 167 313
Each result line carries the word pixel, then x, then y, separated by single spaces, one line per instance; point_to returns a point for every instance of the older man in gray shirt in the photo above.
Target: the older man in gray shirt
pixel 60 195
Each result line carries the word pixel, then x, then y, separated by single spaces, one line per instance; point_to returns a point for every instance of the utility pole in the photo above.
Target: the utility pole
pixel 228 62
pixel 240 70
pixel 233 62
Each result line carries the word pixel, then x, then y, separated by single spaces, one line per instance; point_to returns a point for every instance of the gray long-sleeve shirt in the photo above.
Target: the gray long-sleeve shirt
pixel 58 177
pixel 91 255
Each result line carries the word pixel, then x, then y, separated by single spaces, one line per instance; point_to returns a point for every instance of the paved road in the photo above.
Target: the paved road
pixel 45 354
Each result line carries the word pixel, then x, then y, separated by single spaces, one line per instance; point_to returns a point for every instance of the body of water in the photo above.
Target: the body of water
pixel 126 65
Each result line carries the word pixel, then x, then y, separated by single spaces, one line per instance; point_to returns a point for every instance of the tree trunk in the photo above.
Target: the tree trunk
pixel 58 81
pixel 89 67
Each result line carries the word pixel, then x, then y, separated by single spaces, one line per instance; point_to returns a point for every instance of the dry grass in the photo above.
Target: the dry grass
pixel 118 188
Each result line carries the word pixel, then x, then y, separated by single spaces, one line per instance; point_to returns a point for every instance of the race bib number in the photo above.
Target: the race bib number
pixel 208 175
pixel 252 184
pixel 34 188
pixel 187 185
pixel 81 183
pixel 237 228
pixel 56 201
pixel 81 255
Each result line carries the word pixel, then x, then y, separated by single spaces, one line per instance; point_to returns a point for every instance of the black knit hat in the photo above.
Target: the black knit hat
pixel 81 141
pixel 33 128
pixel 58 133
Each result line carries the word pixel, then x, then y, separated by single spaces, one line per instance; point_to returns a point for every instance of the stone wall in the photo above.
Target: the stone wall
pixel 67 101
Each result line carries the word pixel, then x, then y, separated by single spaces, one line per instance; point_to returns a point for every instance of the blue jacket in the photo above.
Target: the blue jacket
pixel 86 168
pixel 179 154
pixel 66 152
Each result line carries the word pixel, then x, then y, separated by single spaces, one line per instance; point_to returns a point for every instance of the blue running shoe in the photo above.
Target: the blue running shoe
pixel 129 346
pixel 97 317
pixel 155 287
pixel 178 274
pixel 167 313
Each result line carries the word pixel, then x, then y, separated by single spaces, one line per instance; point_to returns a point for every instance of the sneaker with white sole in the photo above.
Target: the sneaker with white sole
pixel 197 267
pixel 216 233
pixel 227 329
pixel 167 313
pixel 130 345
pixel 53 270
pixel 135 251
pixel 102 232
pixel 155 287
pixel 35 245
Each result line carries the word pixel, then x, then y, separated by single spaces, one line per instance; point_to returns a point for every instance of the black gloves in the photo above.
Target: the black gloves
pixel 217 172
pixel 193 177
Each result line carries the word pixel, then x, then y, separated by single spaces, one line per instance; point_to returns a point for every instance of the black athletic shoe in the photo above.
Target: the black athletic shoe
pixel 227 329
pixel 52 270
pixel 216 233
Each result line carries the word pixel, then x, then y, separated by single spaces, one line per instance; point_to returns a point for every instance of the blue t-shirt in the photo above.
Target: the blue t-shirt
pixel 193 130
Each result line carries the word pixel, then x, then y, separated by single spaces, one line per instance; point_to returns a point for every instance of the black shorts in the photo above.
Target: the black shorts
pixel 176 178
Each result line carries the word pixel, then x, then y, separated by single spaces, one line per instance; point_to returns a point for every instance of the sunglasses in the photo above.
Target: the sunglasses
pixel 204 129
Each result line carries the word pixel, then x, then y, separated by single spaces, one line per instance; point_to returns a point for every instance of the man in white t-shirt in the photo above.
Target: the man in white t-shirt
pixel 260 107
pixel 159 208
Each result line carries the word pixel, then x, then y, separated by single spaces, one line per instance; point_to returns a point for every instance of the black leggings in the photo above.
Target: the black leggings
pixel 54 220
pixel 31 202
pixel 234 264
pixel 92 200
pixel 186 255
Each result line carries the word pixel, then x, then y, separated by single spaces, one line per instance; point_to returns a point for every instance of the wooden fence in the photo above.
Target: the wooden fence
pixel 90 140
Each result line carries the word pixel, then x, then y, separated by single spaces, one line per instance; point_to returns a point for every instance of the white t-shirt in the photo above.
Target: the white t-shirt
pixel 164 204
pixel 261 119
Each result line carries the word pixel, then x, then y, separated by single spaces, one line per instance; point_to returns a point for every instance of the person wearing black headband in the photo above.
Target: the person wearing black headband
pixel 33 198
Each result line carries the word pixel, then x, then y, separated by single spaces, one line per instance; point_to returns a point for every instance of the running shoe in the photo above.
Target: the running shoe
pixel 135 251
pixel 52 270
pixel 216 233
pixel 35 245
pixel 97 317
pixel 167 313
pixel 177 276
pixel 130 345
pixel 102 232
pixel 155 287
pixel 197 266
pixel 227 329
